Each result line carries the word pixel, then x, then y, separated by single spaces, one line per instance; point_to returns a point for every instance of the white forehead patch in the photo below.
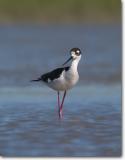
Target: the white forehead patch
pixel 72 52
pixel 77 51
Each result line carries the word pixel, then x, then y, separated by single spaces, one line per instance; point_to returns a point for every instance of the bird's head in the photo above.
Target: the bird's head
pixel 75 55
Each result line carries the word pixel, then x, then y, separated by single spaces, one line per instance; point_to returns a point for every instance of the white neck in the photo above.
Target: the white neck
pixel 75 63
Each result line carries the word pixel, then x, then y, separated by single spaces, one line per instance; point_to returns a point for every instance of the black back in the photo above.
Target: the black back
pixel 52 75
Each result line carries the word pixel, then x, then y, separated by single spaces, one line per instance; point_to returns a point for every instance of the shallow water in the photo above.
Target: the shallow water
pixel 29 124
pixel 91 125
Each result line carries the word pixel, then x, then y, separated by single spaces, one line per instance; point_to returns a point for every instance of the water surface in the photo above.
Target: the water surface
pixel 29 124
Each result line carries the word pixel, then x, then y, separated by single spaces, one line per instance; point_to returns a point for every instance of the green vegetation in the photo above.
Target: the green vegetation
pixel 47 11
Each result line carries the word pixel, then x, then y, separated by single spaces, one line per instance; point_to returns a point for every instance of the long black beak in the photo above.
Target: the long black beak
pixel 68 60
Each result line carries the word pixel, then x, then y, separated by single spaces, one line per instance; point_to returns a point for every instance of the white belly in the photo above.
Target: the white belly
pixel 66 81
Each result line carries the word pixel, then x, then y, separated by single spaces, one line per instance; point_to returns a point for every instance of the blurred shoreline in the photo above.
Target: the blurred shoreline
pixel 59 12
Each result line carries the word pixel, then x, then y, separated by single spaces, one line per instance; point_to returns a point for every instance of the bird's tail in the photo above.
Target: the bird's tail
pixel 36 80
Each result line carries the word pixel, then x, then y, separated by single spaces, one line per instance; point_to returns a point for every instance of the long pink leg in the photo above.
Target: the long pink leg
pixel 59 104
pixel 60 111
pixel 58 100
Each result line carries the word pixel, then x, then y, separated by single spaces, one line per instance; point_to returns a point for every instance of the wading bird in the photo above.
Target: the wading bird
pixel 64 78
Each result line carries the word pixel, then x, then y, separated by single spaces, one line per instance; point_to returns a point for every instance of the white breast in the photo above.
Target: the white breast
pixel 66 81
pixel 71 77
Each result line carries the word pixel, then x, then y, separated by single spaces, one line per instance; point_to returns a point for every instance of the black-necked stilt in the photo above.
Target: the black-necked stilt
pixel 64 78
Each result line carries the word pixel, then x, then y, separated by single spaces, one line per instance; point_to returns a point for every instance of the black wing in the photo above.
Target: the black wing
pixel 52 75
